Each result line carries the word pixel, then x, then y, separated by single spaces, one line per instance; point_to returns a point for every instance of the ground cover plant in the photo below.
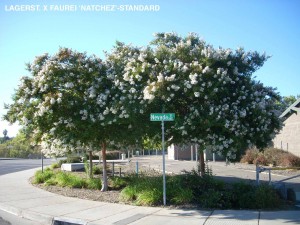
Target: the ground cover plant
pixel 186 190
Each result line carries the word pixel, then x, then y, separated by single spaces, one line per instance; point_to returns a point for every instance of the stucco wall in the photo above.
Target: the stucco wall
pixel 289 137
pixel 181 153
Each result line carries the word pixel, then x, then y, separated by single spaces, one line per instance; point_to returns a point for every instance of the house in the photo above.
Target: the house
pixel 289 137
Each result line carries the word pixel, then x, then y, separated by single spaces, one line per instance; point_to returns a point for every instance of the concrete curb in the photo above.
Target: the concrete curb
pixel 27 214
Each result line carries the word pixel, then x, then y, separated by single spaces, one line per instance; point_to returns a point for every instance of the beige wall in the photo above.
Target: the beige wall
pixel 289 137
pixel 181 153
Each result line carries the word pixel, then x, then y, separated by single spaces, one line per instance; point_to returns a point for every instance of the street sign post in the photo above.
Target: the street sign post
pixel 162 117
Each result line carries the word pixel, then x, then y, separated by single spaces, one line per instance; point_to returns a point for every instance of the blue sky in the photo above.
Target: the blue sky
pixel 272 26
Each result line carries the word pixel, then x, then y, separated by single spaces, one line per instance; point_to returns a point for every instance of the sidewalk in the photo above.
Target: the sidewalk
pixel 19 197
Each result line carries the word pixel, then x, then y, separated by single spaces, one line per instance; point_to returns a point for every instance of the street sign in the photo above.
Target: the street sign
pixel 162 116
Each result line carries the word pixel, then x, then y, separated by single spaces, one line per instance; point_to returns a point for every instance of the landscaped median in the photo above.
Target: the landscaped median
pixel 185 190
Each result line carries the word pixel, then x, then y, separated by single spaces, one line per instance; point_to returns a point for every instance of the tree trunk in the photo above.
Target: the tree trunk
pixel 91 164
pixel 104 175
pixel 201 163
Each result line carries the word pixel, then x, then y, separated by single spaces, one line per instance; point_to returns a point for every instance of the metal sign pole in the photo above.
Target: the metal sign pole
pixel 42 158
pixel 164 162
pixel 163 117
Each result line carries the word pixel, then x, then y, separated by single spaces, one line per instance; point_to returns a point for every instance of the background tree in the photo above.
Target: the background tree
pixel 5 137
pixel 19 147
pixel 286 101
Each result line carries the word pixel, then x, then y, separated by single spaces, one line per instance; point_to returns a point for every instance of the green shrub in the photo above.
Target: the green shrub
pixel 182 196
pixel 242 195
pixel 212 198
pixel 95 169
pixel 54 166
pixel 42 177
pixel 117 183
pixel 70 180
pixel 150 197
pixel 51 182
pixel 129 193
pixel 110 155
pixel 62 161
pixel 266 197
pixel 94 183
pixel 73 159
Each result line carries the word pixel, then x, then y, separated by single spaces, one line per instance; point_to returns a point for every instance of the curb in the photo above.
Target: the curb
pixel 27 214
pixel 62 220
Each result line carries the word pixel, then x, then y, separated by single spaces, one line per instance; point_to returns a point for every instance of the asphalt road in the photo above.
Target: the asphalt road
pixel 230 173
pixel 15 165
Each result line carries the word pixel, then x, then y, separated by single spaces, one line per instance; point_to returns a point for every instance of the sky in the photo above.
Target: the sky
pixel 29 28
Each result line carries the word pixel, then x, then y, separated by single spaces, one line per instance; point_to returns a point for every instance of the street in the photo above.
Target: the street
pixel 231 172
pixel 15 165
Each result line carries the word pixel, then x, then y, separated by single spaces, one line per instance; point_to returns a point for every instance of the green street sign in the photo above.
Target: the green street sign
pixel 162 116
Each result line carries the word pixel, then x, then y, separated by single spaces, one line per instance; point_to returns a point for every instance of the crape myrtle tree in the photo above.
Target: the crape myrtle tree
pixel 67 102
pixel 218 103
pixel 73 100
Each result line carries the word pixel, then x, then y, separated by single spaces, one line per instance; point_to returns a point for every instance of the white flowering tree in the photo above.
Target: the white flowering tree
pixel 217 102
pixel 74 100
pixel 67 102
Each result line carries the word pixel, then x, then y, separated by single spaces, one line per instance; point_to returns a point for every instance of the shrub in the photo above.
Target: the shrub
pixel 150 197
pixel 54 166
pixel 73 159
pixel 273 155
pixel 266 197
pixel 242 195
pixel 260 160
pixel 117 183
pixel 70 180
pixel 129 193
pixel 182 196
pixel 212 198
pixel 95 170
pixel 62 161
pixel 110 155
pixel 289 160
pixel 52 181
pixel 94 183
pixel 250 156
pixel 42 177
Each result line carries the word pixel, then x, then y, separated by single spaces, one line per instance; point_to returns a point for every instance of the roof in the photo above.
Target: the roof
pixel 293 108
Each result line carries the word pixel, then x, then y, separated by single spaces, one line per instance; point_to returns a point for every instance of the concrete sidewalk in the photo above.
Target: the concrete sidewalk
pixel 19 197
